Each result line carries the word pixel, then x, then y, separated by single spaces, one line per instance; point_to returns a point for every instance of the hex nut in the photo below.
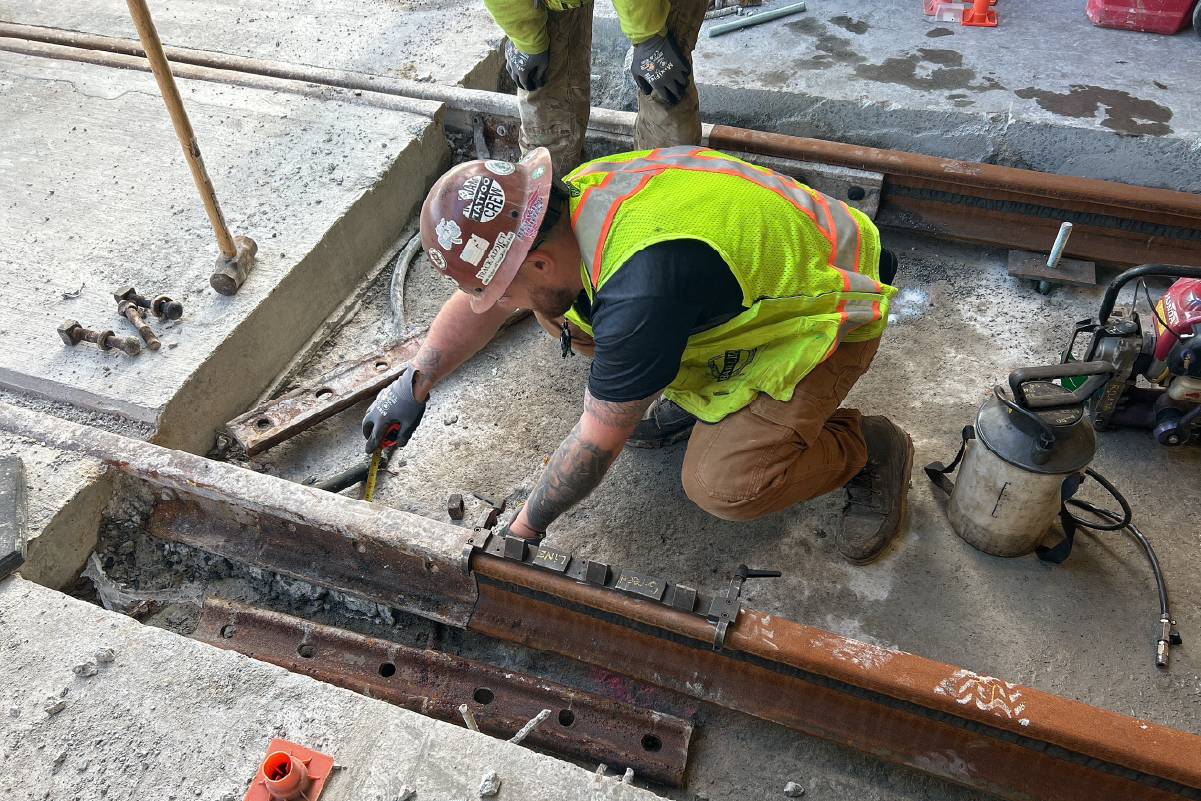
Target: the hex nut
pixel 454 507
pixel 67 331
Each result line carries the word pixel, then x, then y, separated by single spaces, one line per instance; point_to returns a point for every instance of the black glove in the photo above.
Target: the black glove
pixel 528 70
pixel 394 415
pixel 661 68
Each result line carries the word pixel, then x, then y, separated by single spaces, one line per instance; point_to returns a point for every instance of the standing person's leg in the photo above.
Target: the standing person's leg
pixel 772 454
pixel 661 125
pixel 555 116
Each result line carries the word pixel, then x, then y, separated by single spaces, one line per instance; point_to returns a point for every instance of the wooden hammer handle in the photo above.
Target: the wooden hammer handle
pixel 179 118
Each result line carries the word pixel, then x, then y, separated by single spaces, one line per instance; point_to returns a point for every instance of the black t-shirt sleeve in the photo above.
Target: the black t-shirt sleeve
pixel 643 315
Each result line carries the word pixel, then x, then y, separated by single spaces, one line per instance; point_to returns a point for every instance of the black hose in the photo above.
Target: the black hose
pixel 1142 540
pixel 1123 521
pixel 1167 633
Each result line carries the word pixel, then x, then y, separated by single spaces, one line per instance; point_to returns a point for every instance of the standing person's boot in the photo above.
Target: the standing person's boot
pixel 663 424
pixel 875 498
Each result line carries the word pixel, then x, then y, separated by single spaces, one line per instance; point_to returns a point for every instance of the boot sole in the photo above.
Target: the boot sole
pixel 670 439
pixel 904 508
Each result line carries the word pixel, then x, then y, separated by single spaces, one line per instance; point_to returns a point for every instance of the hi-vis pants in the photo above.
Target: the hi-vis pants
pixel 556 115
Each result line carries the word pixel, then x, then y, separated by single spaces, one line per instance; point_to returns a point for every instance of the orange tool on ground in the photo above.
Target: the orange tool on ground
pixel 290 771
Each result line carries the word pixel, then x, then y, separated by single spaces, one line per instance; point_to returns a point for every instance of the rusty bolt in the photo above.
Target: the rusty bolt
pixel 162 307
pixel 73 333
pixel 454 506
pixel 129 310
pixel 166 309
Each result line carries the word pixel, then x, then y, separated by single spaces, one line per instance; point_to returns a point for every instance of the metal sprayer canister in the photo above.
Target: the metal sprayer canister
pixel 1004 499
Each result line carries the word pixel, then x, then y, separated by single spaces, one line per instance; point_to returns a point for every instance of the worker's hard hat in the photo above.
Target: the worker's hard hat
pixel 480 220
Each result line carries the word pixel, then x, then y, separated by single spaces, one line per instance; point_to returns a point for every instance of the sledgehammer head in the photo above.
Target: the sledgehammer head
pixel 230 273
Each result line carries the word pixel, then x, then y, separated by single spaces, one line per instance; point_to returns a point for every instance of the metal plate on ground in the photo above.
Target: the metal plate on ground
pixel 581 725
pixel 1073 272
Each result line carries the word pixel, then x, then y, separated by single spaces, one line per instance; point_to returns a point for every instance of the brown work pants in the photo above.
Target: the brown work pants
pixel 771 454
pixel 555 116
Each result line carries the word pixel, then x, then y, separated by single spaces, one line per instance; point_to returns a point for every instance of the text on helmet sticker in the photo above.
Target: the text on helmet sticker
pixel 448 233
pixel 529 221
pixel 437 259
pixel 493 262
pixel 485 198
pixel 499 167
pixel 474 250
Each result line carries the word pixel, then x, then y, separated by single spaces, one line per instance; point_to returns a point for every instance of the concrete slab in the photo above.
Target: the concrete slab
pixel 98 196
pixel 65 495
pixel 453 43
pixel 96 705
pixel 1045 90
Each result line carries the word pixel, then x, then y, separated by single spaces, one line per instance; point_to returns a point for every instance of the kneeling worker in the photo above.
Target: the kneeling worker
pixel 706 288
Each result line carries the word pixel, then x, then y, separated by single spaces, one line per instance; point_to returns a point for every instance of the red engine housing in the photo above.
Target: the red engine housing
pixel 1180 308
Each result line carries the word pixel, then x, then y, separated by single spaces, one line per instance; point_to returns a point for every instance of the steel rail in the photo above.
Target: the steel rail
pixel 982 731
pixel 433 683
pixel 984 203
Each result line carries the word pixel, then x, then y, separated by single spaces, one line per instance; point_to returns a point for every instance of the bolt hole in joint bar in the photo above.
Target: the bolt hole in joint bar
pixel 501 702
pixel 978 730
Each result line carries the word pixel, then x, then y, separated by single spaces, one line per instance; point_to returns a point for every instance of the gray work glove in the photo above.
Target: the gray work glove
pixel 394 415
pixel 528 70
pixel 660 68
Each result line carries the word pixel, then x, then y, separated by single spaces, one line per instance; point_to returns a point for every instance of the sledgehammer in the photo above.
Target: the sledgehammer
pixel 237 252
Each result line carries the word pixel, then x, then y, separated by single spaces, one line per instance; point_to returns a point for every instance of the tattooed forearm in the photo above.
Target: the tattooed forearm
pixel 427 361
pixel 574 470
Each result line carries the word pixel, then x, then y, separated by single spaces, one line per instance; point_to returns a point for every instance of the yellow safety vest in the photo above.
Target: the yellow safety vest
pixel 808 265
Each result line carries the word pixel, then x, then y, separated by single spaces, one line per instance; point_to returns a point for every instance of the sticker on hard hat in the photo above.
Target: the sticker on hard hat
pixel 492 263
pixel 538 172
pixel 499 167
pixel 529 221
pixel 449 233
pixel 438 259
pixel 474 250
pixel 485 198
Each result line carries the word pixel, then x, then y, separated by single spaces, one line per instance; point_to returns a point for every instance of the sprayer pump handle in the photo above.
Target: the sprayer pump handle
pixel 1099 372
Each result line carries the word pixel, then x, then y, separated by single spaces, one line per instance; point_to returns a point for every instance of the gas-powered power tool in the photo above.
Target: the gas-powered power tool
pixel 1162 347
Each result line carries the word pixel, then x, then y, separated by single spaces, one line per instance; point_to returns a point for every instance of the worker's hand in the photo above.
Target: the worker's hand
pixel 660 68
pixel 394 415
pixel 528 70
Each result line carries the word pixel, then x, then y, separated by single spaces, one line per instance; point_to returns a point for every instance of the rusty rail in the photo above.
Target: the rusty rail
pixel 582 725
pixel 991 204
pixel 978 730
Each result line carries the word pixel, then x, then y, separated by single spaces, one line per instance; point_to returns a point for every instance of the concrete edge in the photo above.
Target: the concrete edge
pixel 258 349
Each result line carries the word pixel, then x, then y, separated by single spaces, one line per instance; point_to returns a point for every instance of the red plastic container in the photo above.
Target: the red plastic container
pixel 1154 16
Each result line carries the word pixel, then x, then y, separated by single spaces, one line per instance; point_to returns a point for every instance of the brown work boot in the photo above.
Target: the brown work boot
pixel 663 424
pixel 875 497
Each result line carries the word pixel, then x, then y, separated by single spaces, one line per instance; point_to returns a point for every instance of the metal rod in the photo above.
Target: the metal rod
pixel 1061 240
pixel 756 19
pixel 153 48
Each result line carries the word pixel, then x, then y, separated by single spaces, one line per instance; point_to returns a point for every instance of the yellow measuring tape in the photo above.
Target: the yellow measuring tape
pixel 369 491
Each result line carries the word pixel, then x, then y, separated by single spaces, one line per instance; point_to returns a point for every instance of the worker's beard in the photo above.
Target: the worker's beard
pixel 552 302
